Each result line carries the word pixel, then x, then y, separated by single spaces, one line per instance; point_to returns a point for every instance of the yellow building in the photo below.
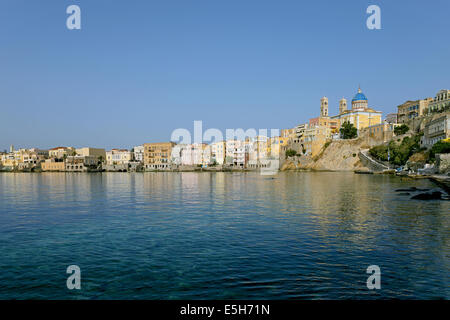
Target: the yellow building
pixel 361 116
pixel 157 155
pixel 52 165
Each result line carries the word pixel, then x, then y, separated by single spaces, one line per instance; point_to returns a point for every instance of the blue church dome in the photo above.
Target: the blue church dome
pixel 359 96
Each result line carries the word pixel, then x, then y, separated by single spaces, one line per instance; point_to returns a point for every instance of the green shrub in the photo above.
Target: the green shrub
pixel 399 152
pixel 401 129
pixel 290 153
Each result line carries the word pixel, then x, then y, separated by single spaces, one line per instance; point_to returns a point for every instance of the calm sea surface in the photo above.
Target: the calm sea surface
pixel 220 236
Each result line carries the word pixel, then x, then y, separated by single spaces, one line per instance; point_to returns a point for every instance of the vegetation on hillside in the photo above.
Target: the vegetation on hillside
pixel 399 152
pixel 401 129
pixel 439 147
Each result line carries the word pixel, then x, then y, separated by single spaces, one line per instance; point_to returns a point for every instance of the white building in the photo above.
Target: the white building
pixel 235 153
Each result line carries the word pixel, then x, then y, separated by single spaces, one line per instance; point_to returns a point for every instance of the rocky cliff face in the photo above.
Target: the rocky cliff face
pixel 340 155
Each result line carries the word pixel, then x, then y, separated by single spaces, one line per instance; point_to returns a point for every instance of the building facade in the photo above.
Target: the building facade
pixel 138 154
pixel 54 164
pixel 157 156
pixel 235 153
pixel 218 152
pixel 412 109
pixel 440 102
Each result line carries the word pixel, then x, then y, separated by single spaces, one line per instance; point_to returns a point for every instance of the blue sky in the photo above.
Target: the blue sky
pixel 137 70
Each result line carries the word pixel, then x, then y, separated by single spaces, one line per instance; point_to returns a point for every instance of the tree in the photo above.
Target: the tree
pixel 401 130
pixel 290 153
pixel 348 131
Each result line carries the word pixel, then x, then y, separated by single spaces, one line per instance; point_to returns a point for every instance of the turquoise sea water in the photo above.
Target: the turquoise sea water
pixel 220 236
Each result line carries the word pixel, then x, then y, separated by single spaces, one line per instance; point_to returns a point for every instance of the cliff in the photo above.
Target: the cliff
pixel 339 155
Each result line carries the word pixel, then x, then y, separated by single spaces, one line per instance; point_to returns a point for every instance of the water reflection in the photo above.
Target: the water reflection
pixel 220 235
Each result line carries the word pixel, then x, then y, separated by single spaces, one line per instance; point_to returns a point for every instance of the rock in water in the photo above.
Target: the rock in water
pixel 437 195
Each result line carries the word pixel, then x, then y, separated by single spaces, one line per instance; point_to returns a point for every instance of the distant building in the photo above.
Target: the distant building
pixel 60 152
pixel 100 154
pixel 157 156
pixel 391 118
pixel 440 102
pixel 412 109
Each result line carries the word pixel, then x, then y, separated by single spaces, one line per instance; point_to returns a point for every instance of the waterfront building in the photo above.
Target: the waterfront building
pixel 100 154
pixel 157 156
pixel 440 102
pixel 235 153
pixel 54 164
pixel 436 130
pixel 119 157
pixel 412 109
pixel 60 152
pixel 80 163
pixel 218 152
pixel 194 154
pixel 257 151
pixel 206 155
pixel 361 116
pixel 138 154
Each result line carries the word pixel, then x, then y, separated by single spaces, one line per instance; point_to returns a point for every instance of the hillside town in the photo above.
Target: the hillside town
pixel 356 137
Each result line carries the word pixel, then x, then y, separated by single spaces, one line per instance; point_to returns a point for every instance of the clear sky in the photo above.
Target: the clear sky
pixel 137 70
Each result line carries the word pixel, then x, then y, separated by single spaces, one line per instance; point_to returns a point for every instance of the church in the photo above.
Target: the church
pixel 360 115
